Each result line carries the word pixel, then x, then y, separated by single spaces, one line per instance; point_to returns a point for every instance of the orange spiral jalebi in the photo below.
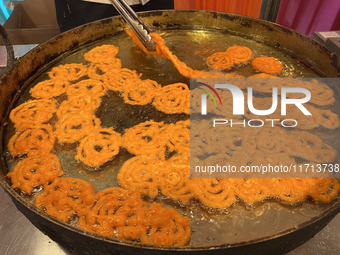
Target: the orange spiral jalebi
pixel 74 126
pixel 49 88
pixel 35 171
pixel 64 198
pixel 239 54
pixel 68 72
pixel 98 147
pixel 89 86
pixel 134 175
pixel 102 54
pixel 81 103
pixel 33 112
pixel 145 138
pixel 101 71
pixel 140 93
pixel 267 65
pixel 118 81
pixel 173 98
pixel 220 60
pixel 32 140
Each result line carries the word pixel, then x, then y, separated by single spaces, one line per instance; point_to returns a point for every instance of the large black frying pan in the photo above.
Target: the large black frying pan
pixel 325 62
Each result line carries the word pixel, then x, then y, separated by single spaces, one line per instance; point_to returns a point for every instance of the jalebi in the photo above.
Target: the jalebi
pixel 99 146
pixel 33 112
pixel 74 126
pixel 49 88
pixel 140 92
pixel 102 54
pixel 173 98
pixel 267 65
pixel 64 198
pixel 88 86
pixel 32 140
pixel 32 172
pixel 68 72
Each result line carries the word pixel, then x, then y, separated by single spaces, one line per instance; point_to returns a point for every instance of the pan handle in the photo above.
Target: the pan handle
pixel 9 48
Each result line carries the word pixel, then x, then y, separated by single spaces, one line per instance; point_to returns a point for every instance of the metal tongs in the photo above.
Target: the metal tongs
pixel 138 26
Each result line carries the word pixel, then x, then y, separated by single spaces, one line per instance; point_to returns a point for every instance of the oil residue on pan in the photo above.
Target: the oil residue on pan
pixel 209 226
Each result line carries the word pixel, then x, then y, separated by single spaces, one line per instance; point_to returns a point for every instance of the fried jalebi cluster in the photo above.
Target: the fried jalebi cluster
pixel 321 93
pixel 113 212
pixel 152 142
pixel 156 138
pixel 136 91
pixel 241 54
pixel 163 51
pixel 122 214
pixel 221 193
pixel 105 72
pixel 35 141
pixel 151 172
pixel 266 140
pixel 77 121
pixel 150 175
pixel 64 198
pixel 233 55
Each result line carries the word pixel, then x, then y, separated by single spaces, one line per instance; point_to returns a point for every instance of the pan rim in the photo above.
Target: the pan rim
pixel 14 195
